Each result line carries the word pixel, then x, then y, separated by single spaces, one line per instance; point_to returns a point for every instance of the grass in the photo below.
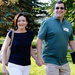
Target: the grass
pixel 35 70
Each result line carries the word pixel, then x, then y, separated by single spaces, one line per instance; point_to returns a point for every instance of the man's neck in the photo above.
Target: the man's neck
pixel 60 18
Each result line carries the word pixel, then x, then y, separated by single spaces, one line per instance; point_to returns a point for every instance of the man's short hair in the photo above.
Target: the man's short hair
pixel 60 2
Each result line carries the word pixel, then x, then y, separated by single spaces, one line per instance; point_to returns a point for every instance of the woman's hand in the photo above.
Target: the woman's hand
pixel 4 71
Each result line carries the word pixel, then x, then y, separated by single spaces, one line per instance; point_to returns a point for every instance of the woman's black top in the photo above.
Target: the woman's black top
pixel 20 50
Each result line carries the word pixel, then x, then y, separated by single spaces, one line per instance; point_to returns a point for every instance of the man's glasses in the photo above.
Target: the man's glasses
pixel 59 8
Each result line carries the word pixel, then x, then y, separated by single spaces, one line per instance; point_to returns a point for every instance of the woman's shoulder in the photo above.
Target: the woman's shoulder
pixel 30 31
pixel 10 32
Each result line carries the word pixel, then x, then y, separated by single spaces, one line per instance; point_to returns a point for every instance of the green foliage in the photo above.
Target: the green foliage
pixel 1 40
pixel 7 15
pixel 31 7
pixel 34 42
pixel 36 11
pixel 70 4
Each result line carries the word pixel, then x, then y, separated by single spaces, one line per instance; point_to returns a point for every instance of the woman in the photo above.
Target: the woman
pixel 21 50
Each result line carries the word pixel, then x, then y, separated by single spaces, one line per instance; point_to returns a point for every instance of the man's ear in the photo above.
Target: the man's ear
pixel 65 11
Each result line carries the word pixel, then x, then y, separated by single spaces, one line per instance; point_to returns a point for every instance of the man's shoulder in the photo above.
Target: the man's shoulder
pixel 50 19
pixel 68 23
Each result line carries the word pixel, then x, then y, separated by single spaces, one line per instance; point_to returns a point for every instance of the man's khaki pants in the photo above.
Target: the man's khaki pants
pixel 52 69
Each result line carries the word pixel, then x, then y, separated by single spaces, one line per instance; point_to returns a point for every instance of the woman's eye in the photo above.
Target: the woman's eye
pixel 21 20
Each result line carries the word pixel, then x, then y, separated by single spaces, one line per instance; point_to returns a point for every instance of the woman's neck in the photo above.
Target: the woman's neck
pixel 21 30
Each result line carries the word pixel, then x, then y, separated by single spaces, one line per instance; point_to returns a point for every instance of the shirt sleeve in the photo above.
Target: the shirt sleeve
pixel 9 33
pixel 42 31
pixel 71 37
pixel 31 34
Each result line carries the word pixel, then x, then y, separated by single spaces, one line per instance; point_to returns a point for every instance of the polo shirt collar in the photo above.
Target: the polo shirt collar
pixel 57 18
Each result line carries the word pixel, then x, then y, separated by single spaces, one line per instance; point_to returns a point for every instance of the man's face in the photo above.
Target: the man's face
pixel 59 10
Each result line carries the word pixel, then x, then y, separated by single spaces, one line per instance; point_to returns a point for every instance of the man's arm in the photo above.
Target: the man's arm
pixel 72 45
pixel 40 60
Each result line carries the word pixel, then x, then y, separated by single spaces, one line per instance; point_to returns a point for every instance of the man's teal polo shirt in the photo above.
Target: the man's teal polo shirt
pixel 55 36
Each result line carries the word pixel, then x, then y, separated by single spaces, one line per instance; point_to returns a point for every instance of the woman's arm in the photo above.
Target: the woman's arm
pixel 33 53
pixel 4 47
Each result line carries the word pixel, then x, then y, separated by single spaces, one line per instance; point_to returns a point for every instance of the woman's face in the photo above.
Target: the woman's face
pixel 22 22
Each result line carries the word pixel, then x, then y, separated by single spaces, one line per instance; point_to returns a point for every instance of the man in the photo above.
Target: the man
pixel 55 33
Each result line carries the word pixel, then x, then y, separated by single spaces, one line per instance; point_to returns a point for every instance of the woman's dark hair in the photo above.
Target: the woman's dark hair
pixel 16 20
pixel 60 2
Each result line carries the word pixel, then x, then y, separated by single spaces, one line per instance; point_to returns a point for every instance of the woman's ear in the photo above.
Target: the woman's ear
pixel 27 23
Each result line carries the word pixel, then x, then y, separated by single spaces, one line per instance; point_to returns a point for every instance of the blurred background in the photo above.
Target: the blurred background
pixel 37 10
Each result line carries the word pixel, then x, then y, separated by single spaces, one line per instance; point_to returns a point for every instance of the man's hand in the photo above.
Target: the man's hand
pixel 39 60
